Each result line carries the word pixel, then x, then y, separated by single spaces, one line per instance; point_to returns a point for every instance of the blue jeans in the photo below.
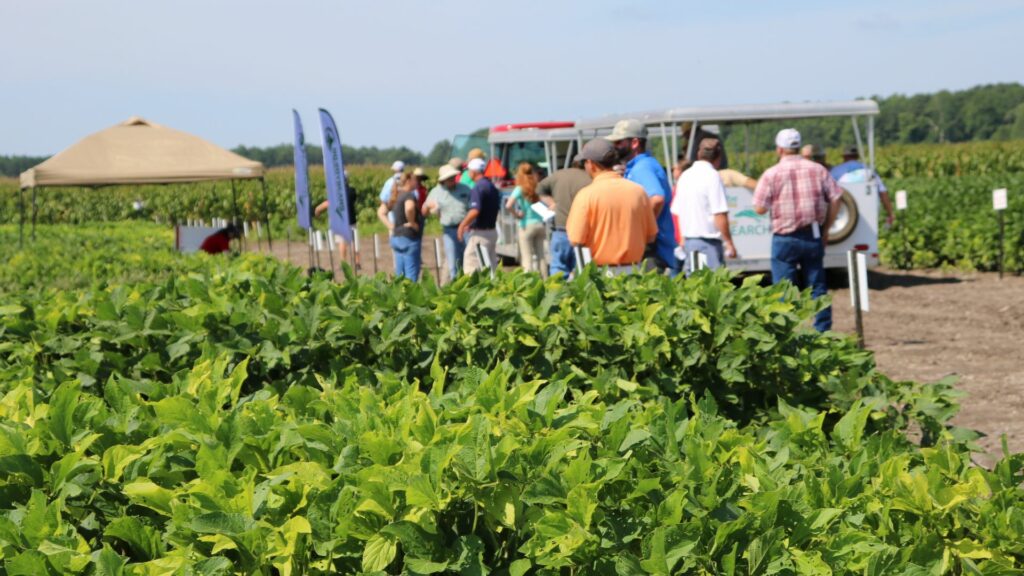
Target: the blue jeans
pixel 453 250
pixel 800 258
pixel 713 250
pixel 408 257
pixel 563 259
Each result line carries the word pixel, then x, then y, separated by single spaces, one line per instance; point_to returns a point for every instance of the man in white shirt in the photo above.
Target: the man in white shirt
pixel 702 208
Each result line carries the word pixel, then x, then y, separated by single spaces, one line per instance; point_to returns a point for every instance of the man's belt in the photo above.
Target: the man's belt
pixel 618 269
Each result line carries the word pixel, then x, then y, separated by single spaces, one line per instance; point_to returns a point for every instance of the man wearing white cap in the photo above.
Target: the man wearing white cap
pixel 803 199
pixel 478 227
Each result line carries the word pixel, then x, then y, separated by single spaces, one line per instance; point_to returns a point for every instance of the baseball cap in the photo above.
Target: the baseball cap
pixel 419 172
pixel 476 153
pixel 476 165
pixel 788 138
pixel 398 166
pixel 455 162
pixel 629 128
pixel 446 172
pixel 600 150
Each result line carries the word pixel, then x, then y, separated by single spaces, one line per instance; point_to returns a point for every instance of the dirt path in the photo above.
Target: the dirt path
pixel 298 253
pixel 923 326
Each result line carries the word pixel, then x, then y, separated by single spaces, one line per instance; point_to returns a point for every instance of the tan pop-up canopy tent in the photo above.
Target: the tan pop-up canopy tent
pixel 137 151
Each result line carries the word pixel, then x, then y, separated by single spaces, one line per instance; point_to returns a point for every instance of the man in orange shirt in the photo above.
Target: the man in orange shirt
pixel 612 216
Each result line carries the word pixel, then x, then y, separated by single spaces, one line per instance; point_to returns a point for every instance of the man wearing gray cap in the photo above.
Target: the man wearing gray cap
pixel 558 191
pixel 630 139
pixel 611 216
pixel 803 199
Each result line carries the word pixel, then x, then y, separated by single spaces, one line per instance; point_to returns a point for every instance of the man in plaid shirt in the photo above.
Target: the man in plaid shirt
pixel 803 199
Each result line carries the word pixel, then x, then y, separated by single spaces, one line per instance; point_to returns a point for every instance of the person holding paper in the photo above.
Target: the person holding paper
pixel 558 191
pixel 803 199
pixel 531 225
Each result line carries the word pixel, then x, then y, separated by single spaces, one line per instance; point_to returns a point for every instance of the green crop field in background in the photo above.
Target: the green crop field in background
pixel 950 221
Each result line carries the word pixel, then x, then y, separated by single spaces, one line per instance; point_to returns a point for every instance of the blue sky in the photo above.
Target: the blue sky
pixel 402 72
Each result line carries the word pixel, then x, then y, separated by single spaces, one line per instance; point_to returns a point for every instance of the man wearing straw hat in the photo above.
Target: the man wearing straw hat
pixel 450 201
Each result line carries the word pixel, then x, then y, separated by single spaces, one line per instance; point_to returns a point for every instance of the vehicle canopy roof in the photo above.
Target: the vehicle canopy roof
pixel 732 114
pixel 563 134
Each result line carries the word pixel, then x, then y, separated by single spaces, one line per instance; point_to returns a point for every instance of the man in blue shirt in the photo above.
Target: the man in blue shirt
pixel 480 221
pixel 630 138
pixel 853 170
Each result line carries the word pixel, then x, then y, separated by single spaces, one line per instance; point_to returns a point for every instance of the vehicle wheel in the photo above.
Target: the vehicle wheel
pixel 846 219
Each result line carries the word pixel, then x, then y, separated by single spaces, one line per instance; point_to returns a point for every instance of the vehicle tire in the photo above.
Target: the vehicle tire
pixel 846 219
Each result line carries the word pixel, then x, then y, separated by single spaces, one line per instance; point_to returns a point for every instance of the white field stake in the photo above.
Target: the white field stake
pixel 901 199
pixel 485 258
pixel 857 267
pixel 376 253
pixel 437 260
pixel 698 261
pixel 999 199
pixel 999 203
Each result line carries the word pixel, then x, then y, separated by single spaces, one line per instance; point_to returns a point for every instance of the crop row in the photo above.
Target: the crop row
pixel 243 418
pixel 951 222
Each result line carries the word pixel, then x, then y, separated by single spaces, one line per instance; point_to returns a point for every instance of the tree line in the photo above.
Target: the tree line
pixel 989 112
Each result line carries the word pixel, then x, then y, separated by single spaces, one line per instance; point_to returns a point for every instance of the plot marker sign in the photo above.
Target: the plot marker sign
pixel 901 199
pixel 999 199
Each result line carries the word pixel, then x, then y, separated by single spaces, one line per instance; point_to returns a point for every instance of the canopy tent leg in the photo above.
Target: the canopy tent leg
pixel 266 215
pixel 235 219
pixel 34 210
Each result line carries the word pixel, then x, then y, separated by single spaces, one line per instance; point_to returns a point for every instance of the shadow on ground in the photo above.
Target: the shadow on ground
pixel 897 279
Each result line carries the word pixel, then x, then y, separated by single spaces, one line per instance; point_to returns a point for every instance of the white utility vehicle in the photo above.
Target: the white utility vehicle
pixel 856 226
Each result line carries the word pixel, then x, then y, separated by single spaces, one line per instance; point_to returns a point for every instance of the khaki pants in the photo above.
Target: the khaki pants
pixel 486 239
pixel 531 245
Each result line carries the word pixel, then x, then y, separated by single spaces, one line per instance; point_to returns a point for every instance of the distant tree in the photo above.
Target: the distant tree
pixel 12 166
pixel 439 154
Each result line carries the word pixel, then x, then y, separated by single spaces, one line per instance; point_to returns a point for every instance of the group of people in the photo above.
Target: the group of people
pixel 616 200
pixel 465 202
